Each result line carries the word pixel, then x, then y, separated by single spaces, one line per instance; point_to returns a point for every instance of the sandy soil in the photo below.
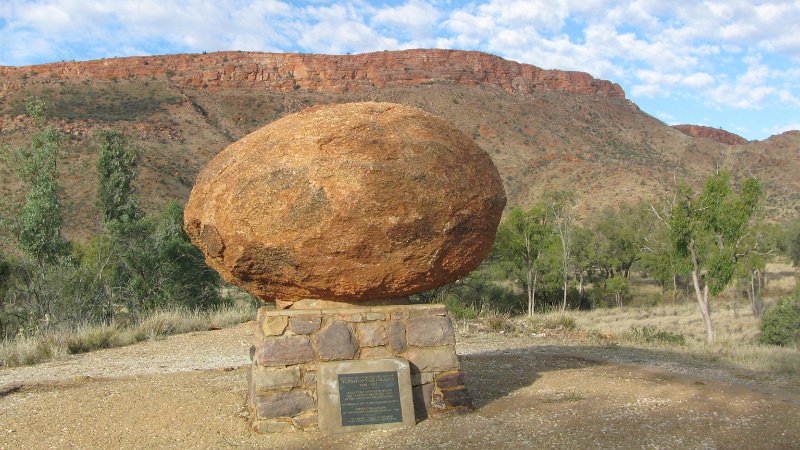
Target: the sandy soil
pixel 188 392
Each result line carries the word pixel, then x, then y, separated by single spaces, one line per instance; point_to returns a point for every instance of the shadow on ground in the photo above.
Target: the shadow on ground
pixel 492 375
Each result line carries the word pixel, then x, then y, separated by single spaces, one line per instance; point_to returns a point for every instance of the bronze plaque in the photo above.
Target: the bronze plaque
pixel 369 398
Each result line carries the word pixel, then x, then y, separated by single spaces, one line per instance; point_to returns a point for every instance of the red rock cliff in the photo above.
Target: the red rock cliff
pixel 328 73
pixel 716 134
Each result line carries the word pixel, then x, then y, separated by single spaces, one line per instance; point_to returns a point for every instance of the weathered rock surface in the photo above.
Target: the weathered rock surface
pixel 327 73
pixel 347 202
pixel 285 351
pixel 715 134
pixel 281 404
pixel 336 341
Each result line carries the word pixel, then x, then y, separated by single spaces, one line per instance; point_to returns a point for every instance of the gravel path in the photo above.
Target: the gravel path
pixel 227 347
pixel 188 392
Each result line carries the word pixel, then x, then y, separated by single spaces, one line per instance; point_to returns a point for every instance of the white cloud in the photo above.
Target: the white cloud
pixel 94 28
pixel 646 90
pixel 668 118
pixel 653 47
pixel 339 29
pixel 741 95
pixel 788 98
pixel 417 19
pixel 725 53
pixel 540 15
pixel 698 80
pixel 791 127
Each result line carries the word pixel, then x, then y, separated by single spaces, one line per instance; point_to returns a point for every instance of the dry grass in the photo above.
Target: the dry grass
pixel 736 328
pixel 32 350
pixel 88 337
pixel 732 322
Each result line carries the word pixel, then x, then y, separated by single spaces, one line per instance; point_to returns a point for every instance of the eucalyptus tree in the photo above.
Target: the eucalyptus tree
pixel 559 208
pixel 36 223
pixel 710 228
pixel 117 170
pixel 625 230
pixel 764 241
pixel 521 239
pixel 587 253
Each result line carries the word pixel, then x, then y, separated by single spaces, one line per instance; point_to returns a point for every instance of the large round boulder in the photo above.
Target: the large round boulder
pixel 347 202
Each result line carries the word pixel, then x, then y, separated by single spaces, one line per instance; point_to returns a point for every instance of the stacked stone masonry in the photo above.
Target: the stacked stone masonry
pixel 289 344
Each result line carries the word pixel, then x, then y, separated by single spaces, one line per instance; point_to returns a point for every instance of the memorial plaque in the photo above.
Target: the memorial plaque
pixel 364 394
pixel 369 398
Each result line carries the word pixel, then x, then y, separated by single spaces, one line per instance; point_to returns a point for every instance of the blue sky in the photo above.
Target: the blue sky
pixel 728 64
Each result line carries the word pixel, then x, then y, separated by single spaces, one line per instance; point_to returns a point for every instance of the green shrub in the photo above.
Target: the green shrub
pixel 781 324
pixel 652 335
pixel 459 310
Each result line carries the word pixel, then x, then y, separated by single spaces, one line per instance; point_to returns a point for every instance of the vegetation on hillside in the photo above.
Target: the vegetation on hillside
pixel 546 257
pixel 140 264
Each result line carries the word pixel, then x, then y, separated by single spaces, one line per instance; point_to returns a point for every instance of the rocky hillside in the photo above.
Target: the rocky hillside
pixel 715 134
pixel 544 129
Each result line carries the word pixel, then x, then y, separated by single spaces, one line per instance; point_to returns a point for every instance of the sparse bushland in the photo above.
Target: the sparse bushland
pixel 701 242
pixel 110 102
pixel 139 279
pixel 628 284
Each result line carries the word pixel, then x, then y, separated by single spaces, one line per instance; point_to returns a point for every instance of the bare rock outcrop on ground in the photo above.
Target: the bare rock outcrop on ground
pixel 347 202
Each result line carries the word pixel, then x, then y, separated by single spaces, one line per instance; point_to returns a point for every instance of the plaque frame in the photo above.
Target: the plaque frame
pixel 328 392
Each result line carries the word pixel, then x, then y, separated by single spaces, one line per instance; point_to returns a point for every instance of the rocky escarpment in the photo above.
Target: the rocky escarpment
pixel 324 73
pixel 716 134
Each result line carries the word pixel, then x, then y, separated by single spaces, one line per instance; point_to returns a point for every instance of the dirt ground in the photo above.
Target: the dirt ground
pixel 188 392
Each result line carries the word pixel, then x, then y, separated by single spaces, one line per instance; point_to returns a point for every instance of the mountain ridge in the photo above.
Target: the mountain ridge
pixel 329 73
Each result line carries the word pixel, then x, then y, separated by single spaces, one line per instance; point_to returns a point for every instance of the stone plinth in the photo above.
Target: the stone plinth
pixel 289 346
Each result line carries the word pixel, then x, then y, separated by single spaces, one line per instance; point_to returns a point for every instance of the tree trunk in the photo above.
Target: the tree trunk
pixel 751 294
pixel 529 274
pixel 762 280
pixel 564 304
pixel 701 294
pixel 674 288
pixel 755 293
pixel 532 293
pixel 530 289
